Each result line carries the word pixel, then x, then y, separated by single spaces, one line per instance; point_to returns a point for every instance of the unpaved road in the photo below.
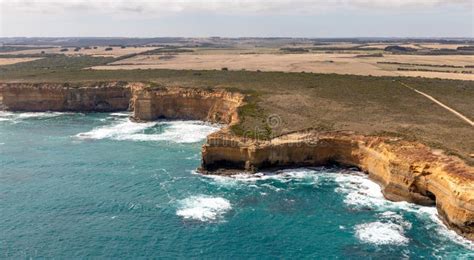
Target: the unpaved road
pixel 463 117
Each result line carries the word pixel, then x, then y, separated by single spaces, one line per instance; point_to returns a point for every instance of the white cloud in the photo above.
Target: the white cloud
pixel 161 7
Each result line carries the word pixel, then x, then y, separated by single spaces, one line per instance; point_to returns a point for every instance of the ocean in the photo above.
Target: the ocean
pixel 97 185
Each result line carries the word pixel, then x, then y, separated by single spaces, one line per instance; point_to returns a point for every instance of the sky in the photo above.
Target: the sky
pixel 237 18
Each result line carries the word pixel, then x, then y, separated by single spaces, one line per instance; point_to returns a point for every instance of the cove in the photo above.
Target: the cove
pixel 100 185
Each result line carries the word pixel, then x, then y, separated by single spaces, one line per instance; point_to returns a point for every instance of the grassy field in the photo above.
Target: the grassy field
pixel 9 61
pixel 364 104
pixel 355 63
pixel 430 59
pixel 105 51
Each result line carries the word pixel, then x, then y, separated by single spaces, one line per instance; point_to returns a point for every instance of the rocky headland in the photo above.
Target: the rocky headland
pixel 406 171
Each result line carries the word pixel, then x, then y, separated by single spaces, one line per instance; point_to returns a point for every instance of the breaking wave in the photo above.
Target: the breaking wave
pixel 285 176
pixel 380 233
pixel 16 116
pixel 203 208
pixel 119 131
pixel 359 193
pixel 389 230
pixel 121 114
pixel 173 131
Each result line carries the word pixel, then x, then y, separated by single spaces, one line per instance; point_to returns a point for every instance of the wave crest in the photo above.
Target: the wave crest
pixel 18 116
pixel 203 208
pixel 174 131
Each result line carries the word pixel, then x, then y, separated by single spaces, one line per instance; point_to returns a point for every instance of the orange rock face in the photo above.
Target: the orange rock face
pixel 109 96
pixel 406 171
pixel 216 106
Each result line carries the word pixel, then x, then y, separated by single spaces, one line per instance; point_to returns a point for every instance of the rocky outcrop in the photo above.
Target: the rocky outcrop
pixel 216 106
pixel 105 96
pixel 406 171
pixel 147 103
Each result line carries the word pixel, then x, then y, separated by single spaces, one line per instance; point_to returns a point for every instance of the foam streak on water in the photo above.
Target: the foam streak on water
pixel 380 233
pixel 63 197
pixel 174 131
pixel 360 193
pixel 390 229
pixel 203 208
pixel 122 130
pixel 17 116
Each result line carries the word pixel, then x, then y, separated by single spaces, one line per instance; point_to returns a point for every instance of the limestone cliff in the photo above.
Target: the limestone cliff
pixel 406 171
pixel 146 102
pixel 102 96
pixel 216 106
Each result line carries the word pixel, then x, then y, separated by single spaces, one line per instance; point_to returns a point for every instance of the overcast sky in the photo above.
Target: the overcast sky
pixel 234 18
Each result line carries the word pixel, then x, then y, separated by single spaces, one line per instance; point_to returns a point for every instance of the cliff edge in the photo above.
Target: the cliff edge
pixel 407 171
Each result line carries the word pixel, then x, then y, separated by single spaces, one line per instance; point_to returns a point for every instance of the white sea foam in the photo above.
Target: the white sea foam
pixel 6 116
pixel 282 176
pixel 358 190
pixel 179 132
pixel 380 233
pixel 120 131
pixel 389 230
pixel 5 113
pixel 120 114
pixel 441 229
pixel 359 193
pixel 174 131
pixel 295 175
pixel 11 116
pixel 203 208
pixel 40 114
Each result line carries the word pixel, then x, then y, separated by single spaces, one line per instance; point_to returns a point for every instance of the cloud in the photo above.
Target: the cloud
pixel 162 7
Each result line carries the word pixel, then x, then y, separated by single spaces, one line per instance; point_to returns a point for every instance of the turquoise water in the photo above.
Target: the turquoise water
pixel 97 185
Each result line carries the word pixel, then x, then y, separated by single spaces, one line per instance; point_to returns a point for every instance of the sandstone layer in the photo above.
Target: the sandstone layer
pixel 100 97
pixel 406 171
pixel 216 106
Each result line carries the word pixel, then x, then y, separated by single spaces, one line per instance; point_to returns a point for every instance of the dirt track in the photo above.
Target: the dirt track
pixel 461 116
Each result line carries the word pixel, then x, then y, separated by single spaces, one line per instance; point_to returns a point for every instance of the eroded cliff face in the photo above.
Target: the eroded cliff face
pixel 100 97
pixel 406 171
pixel 216 106
pixel 147 103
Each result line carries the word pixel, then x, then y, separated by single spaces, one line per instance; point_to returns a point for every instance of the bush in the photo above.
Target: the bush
pixel 65 49
pixel 225 69
pixel 396 48
pixel 109 49
pixel 377 55
pixel 465 48
pixel 294 50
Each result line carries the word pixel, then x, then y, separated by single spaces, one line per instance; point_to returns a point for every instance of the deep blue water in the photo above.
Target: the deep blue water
pixel 97 185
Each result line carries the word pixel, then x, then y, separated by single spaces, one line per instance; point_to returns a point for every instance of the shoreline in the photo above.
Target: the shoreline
pixel 406 171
